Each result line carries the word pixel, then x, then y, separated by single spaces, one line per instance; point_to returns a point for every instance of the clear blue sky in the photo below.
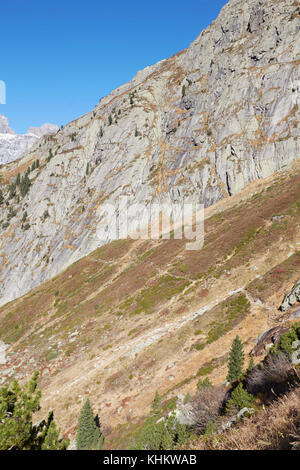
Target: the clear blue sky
pixel 59 57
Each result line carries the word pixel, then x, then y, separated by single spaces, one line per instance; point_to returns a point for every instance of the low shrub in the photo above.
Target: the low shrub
pixel 207 406
pixel 274 376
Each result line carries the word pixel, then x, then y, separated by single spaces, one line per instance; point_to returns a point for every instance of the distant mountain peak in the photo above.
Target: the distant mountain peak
pixel 12 145
pixel 4 125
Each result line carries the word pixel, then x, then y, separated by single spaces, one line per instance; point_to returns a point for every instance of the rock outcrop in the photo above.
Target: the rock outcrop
pixel 45 129
pixel 291 298
pixel 200 125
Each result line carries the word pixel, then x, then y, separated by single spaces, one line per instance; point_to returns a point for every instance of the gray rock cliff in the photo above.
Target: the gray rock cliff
pixel 200 125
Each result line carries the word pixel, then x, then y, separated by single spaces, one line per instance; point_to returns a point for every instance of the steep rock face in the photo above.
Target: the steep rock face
pixel 200 125
pixel 13 146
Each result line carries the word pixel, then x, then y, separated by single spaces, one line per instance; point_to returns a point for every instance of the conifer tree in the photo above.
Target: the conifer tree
pixel 17 432
pixel 240 399
pixel 236 360
pixel 25 184
pixel 89 436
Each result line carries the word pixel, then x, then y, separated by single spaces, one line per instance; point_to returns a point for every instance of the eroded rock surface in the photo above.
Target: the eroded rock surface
pixel 199 125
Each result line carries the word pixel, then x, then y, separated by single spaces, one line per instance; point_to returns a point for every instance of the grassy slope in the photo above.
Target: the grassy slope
pixel 273 428
pixel 123 322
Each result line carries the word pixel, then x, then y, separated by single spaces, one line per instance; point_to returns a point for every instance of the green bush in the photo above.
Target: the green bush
pixel 285 343
pixel 240 399
pixel 162 435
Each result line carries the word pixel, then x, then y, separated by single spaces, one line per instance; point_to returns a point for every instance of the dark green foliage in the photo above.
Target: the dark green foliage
pixel 240 399
pixel 183 91
pixel 285 343
pixel 131 96
pixel 50 156
pixel 52 440
pixel 18 179
pixel 1 198
pixel 109 120
pixel 251 365
pixel 17 432
pixel 236 360
pixel 45 215
pixel 89 436
pixel 11 213
pixel 156 402
pixel 162 435
pixel 12 191
pixel 25 185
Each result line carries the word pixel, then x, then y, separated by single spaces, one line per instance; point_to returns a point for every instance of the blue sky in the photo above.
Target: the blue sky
pixel 59 57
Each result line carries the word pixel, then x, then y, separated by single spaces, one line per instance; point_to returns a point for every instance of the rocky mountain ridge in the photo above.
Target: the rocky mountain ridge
pixel 200 125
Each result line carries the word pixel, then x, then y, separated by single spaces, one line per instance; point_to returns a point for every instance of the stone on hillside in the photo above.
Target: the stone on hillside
pixel 291 298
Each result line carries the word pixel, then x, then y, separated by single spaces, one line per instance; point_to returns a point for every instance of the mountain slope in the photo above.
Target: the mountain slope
pixel 201 125
pixel 137 316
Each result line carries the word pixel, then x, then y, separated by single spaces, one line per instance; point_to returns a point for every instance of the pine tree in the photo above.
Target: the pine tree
pixel 12 191
pixel 25 184
pixel 17 431
pixel 89 435
pixel 236 360
pixel 240 399
pixel 1 198
pixel 52 441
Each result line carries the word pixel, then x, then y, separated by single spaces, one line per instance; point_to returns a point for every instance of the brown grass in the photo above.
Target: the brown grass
pixel 274 428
